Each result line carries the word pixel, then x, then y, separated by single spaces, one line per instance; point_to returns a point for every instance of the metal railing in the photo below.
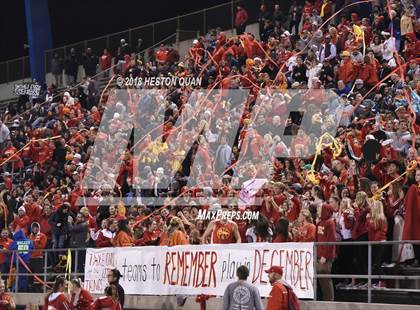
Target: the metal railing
pixel 188 26
pixel 14 69
pixel 77 253
pixel 369 275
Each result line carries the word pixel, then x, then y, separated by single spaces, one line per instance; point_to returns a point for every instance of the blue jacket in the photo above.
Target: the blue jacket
pixel 23 245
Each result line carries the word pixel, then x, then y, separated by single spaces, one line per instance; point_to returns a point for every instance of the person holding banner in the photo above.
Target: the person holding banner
pixel 241 294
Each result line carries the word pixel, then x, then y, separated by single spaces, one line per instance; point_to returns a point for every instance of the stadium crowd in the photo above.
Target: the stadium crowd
pixel 367 54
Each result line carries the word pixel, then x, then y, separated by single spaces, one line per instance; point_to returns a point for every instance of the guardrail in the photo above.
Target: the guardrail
pixel 187 26
pixel 369 275
pixel 78 253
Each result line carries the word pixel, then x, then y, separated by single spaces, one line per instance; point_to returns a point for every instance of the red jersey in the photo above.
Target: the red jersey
pixel 107 303
pixel 4 245
pixel 278 298
pixel 223 232
pixel 56 301
pixel 83 302
pixel 6 297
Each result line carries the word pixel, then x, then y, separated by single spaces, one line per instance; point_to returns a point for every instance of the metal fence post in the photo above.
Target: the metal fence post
pixel 178 27
pixel 315 279
pixel 153 34
pixel 204 22
pixel 17 272
pixel 231 14
pixel 7 71
pixel 45 270
pixel 369 273
pixel 76 261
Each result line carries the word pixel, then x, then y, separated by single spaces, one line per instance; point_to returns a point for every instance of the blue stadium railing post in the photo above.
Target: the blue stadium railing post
pixel 369 273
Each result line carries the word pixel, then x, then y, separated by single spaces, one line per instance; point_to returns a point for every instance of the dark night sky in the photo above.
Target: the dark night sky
pixel 77 20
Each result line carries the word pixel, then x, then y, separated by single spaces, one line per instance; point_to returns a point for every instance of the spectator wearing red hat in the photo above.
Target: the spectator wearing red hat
pixel 278 298
pixel 326 232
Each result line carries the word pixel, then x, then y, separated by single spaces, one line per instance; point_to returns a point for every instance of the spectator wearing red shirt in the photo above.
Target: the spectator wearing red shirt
pixel 306 231
pixel 161 55
pixel 152 234
pixel 109 301
pixel 5 243
pixel 22 221
pixel 113 213
pixel 325 232
pixel 282 231
pixel 241 18
pixel 6 300
pixel 377 227
pixel 107 234
pixel 222 231
pixel 105 61
pixel 81 299
pixel 39 239
pixel 56 299
pixel 44 222
pixel 278 298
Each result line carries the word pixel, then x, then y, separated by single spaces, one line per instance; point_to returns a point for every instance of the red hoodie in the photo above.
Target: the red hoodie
pixel 325 232
pixel 377 234
pixel 360 225
pixel 106 303
pixel 56 300
pixel 84 301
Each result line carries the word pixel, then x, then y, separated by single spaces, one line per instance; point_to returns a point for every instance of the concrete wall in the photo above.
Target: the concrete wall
pixel 169 303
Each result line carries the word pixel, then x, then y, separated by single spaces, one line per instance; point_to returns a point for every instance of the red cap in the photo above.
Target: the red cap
pixel 276 269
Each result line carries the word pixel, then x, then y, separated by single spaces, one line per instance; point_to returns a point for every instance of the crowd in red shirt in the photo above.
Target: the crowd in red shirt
pixel 377 135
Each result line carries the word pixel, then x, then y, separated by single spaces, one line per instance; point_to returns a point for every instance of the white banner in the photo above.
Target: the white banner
pixel 200 269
